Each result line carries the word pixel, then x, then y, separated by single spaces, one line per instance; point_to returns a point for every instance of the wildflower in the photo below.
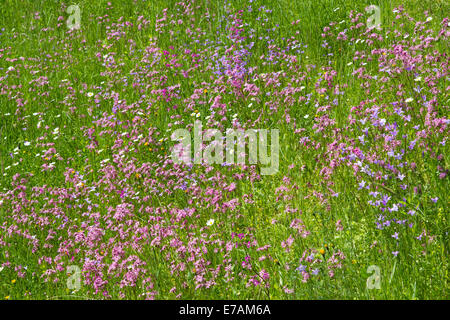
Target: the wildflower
pixel 409 100
pixel 7 298
pixel 435 199
pixel 210 222
pixel 90 94
pixel 13 281
pixel 395 253
pixel 287 290
pixel 322 251
pixel 26 143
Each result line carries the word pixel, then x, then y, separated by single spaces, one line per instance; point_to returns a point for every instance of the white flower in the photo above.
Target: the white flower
pixel 306 116
pixel 409 100
pixel 429 19
pixel 26 143
pixel 418 79
pixel 90 94
pixel 210 222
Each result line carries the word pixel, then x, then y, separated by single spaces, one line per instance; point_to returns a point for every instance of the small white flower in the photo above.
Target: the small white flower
pixel 429 19
pixel 26 143
pixel 418 79
pixel 90 94
pixel 306 116
pixel 409 100
pixel 210 222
